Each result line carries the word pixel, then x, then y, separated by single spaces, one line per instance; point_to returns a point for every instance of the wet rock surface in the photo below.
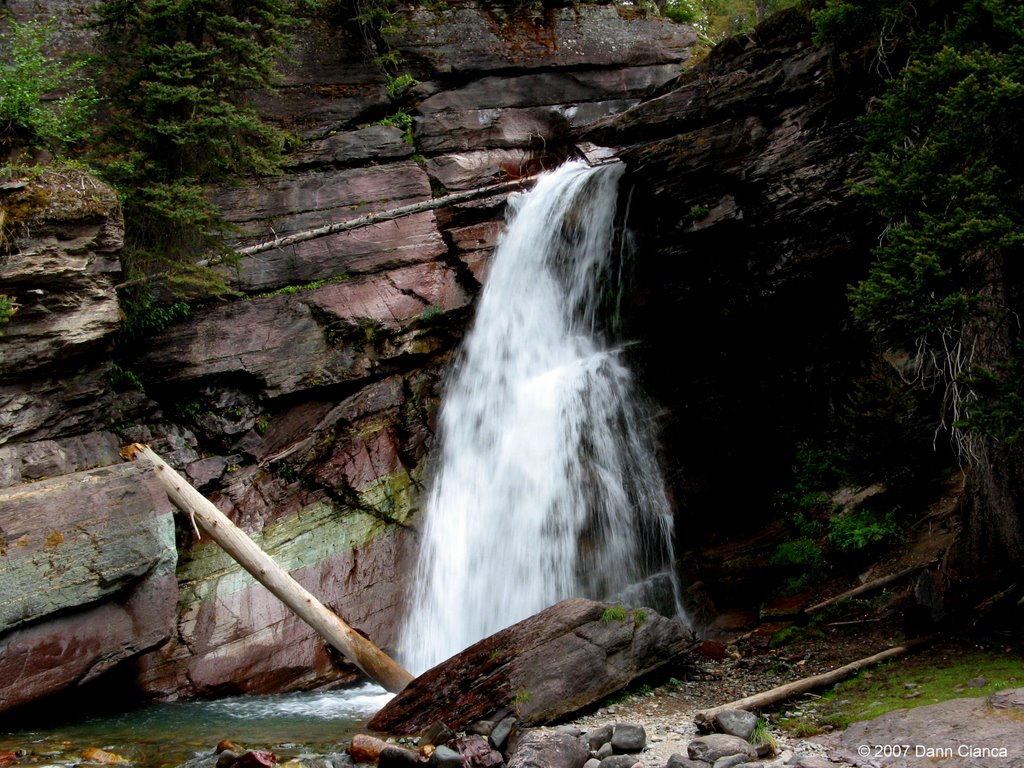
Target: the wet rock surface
pixel 544 668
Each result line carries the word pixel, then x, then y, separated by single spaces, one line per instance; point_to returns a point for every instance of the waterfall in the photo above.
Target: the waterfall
pixel 546 484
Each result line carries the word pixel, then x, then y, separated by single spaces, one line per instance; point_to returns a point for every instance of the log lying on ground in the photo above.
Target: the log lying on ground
pixel 870 586
pixel 356 648
pixel 760 700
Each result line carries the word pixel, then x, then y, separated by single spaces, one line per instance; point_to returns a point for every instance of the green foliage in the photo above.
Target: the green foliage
pixel 400 119
pixel 122 379
pixel 862 529
pixel 614 613
pixel 431 313
pixel 847 24
pixel 946 158
pixel 805 502
pixel 931 677
pixel 799 562
pixel 143 317
pixel 715 20
pixel 888 429
pixel 7 309
pixel 999 408
pixel 762 735
pixel 31 112
pixel 684 11
pixel 803 553
pixel 180 76
pixel 396 86
pixel 191 410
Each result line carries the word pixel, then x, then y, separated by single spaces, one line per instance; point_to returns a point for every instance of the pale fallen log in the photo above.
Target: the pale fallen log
pixel 356 648
pixel 393 213
pixel 870 586
pixel 705 717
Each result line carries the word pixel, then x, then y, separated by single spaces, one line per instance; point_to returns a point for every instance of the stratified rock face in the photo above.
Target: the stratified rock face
pixel 60 270
pixel 304 405
pixel 467 38
pixel 87 565
pixel 555 663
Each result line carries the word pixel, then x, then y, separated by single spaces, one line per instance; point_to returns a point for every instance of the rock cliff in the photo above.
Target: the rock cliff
pixel 303 407
pixel 741 168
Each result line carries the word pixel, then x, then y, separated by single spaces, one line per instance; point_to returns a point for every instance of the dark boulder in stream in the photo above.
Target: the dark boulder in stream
pixel 555 663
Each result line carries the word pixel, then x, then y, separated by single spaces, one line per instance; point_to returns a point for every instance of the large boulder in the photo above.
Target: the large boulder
pixel 981 732
pixel 550 665
pixel 87 578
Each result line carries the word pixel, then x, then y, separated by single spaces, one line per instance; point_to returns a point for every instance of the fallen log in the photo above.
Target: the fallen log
pixel 705 717
pixel 356 648
pixel 394 213
pixel 870 586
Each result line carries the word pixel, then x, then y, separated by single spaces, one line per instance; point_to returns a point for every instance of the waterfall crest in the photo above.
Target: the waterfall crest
pixel 546 485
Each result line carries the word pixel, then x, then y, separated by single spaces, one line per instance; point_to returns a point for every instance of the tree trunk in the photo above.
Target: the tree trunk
pixel 394 213
pixel 992 546
pixel 356 648
pixel 864 588
pixel 783 692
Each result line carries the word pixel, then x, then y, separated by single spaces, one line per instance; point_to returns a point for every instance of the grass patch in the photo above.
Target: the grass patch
pixel 930 678
pixel 614 613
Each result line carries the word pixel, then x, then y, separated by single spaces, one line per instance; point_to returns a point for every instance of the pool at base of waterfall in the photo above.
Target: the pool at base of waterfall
pixel 171 734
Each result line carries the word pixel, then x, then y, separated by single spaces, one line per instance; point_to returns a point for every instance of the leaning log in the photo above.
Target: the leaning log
pixel 356 648
pixel 870 586
pixel 760 700
pixel 394 213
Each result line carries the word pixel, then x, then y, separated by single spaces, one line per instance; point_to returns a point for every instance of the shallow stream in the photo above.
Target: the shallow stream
pixel 289 725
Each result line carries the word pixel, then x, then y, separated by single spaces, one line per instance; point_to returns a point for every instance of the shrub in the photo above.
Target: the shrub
pixel 862 528
pixel 802 553
pixel 30 112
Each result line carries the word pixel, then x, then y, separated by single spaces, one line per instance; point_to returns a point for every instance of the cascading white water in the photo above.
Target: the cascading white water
pixel 546 485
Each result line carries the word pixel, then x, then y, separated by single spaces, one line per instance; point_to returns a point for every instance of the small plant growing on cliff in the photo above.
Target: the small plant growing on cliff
pixel 397 86
pixel 430 313
pixel 400 119
pixel 7 309
pixel 122 379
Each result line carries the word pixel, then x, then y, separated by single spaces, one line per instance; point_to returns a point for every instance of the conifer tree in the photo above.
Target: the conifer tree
pixel 180 74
